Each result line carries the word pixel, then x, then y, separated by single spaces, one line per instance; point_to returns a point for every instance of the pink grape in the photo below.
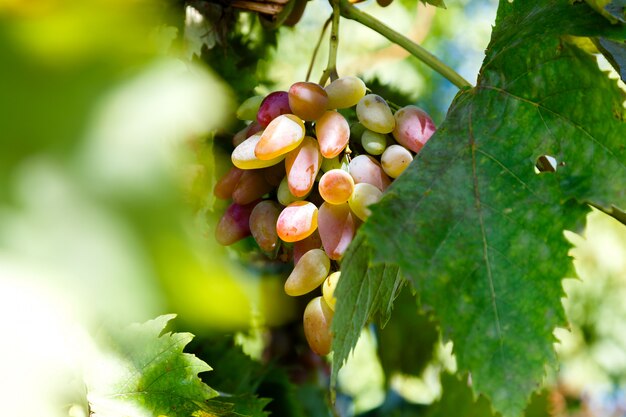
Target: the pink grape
pixel 303 246
pixel 317 319
pixel 272 106
pixel 333 133
pixel 263 224
pixel 302 165
pixel 307 100
pixel 336 228
pixel 297 221
pixel 251 186
pixel 336 186
pixel 364 168
pixel 234 224
pixel 413 127
pixel 226 185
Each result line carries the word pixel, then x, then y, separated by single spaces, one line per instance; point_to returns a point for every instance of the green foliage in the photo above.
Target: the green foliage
pixel 487 252
pixel 458 400
pixel 615 53
pixel 150 376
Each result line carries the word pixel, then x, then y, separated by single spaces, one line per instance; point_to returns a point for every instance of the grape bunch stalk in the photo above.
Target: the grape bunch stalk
pixel 303 178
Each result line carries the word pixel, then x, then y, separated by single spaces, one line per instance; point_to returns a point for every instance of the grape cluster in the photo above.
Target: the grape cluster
pixel 303 178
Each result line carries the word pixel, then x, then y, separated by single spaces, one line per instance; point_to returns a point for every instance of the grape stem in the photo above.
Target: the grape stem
pixel 331 67
pixel 350 12
pixel 317 47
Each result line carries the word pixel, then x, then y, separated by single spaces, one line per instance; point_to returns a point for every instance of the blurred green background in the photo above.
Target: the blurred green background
pixel 111 136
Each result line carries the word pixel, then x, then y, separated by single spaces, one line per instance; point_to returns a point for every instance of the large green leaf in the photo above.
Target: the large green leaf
pixel 149 375
pixel 478 232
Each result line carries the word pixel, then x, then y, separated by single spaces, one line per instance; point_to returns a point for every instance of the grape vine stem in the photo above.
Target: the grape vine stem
pixel 331 67
pixel 348 11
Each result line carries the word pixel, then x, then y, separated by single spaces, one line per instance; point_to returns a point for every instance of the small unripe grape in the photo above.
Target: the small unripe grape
pixel 374 143
pixel 308 274
pixel 331 163
pixel 226 185
pixel 263 224
pixel 364 168
pixel 333 133
pixel 272 106
pixel 297 221
pixel 395 159
pixel 283 194
pixel 234 224
pixel 328 289
pixel 374 113
pixel 336 228
pixel 317 319
pixel 282 135
pixel 302 165
pixel 364 195
pixel 303 246
pixel 336 186
pixel 413 127
pixel 249 108
pixel 345 92
pixel 307 100
pixel 243 156
pixel 251 186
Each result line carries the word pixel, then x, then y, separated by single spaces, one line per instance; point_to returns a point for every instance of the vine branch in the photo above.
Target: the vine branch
pixel 350 12
pixel 317 47
pixel 331 67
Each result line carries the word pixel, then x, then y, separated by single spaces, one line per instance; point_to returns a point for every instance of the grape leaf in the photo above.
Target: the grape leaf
pixel 478 232
pixel 150 375
pixel 457 400
pixel 615 53
pixel 617 9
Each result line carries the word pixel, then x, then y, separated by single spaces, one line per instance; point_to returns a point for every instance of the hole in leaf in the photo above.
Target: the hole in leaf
pixel 545 163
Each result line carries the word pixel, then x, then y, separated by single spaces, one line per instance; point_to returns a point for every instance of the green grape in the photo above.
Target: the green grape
pixel 316 322
pixel 395 159
pixel 243 156
pixel 345 92
pixel 308 274
pixel 307 100
pixel 364 194
pixel 374 113
pixel 249 108
pixel 328 289
pixel 374 143
pixel 282 135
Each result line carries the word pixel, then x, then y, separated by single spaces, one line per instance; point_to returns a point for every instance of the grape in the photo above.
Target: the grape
pixel 328 289
pixel 364 168
pixel 274 174
pixel 243 156
pixel 251 186
pixel 246 132
pixel 336 186
pixel 282 135
pixel 234 224
pixel 272 106
pixel 373 112
pixel 384 3
pixel 297 221
pixel 224 187
pixel 395 159
pixel 307 100
pixel 263 224
pixel 364 194
pixel 316 323
pixel 345 92
pixel 374 143
pixel 333 132
pixel 336 228
pixel 309 273
pixel 356 131
pixel 249 108
pixel 303 164
pixel 413 127
pixel 303 246
pixel 284 196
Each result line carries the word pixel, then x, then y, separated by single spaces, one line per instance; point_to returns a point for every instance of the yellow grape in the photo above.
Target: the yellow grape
pixel 243 156
pixel 345 92
pixel 307 100
pixel 364 194
pixel 317 319
pixel 302 165
pixel 297 221
pixel 374 113
pixel 333 133
pixel 328 289
pixel 282 135
pixel 336 186
pixel 395 159
pixel 308 274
